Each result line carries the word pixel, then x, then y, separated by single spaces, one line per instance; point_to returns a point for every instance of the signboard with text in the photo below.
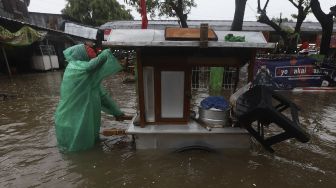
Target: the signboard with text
pixel 294 72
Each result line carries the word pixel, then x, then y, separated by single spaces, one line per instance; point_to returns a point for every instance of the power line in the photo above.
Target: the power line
pixel 253 10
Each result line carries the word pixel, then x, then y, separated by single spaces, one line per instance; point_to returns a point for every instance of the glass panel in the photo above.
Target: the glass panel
pixel 148 78
pixel 172 94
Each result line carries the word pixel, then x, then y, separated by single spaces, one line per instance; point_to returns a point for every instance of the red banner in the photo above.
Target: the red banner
pixel 143 12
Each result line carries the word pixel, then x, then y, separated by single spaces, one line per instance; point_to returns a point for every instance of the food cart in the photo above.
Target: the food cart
pixel 164 65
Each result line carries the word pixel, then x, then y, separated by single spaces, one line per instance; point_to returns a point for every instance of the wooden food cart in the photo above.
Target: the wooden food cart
pixel 164 68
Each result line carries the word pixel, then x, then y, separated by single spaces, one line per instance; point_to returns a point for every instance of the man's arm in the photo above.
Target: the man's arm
pixel 108 105
pixel 98 61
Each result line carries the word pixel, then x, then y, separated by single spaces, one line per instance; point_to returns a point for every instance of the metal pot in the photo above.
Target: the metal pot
pixel 218 118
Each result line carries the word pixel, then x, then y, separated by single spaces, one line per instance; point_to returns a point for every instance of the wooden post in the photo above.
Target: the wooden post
pixel 6 60
pixel 141 88
pixel 204 35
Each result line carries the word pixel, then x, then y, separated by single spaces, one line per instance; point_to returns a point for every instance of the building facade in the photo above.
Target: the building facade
pixel 46 20
pixel 15 9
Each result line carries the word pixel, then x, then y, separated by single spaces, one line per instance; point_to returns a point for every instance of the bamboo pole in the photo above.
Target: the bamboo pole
pixel 6 60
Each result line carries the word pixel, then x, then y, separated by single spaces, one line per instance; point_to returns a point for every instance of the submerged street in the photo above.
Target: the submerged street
pixel 29 156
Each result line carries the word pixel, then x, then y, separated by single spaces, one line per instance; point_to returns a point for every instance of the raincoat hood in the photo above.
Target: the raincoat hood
pixel 76 53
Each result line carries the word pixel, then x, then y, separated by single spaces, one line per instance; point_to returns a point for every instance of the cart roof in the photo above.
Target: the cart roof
pixel 156 38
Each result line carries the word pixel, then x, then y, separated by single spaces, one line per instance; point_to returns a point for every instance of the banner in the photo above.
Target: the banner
pixel 25 36
pixel 296 72
pixel 144 20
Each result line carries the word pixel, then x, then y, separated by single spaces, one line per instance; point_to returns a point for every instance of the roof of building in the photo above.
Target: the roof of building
pixel 57 21
pixel 12 22
pixel 156 38
pixel 80 30
pixel 46 13
pixel 219 25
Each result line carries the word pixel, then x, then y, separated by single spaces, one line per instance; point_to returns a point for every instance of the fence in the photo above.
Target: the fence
pixel 201 78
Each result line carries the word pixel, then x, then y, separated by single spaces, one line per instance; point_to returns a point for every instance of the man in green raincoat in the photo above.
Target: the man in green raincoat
pixel 83 97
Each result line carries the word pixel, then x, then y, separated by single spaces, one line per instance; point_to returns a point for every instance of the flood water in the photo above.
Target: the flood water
pixel 29 156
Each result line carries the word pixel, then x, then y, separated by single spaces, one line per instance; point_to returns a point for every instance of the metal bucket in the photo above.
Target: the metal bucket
pixel 214 117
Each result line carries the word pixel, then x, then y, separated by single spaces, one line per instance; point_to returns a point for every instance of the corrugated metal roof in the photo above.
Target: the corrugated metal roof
pixel 219 25
pixel 13 21
pixel 155 38
pixel 79 30
pixel 52 21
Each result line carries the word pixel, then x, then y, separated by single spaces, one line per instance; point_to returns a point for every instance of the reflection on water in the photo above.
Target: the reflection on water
pixel 29 156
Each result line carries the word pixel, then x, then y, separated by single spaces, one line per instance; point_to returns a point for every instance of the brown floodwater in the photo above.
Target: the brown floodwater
pixel 29 156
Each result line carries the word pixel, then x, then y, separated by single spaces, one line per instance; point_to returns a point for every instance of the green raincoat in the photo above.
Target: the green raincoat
pixel 78 113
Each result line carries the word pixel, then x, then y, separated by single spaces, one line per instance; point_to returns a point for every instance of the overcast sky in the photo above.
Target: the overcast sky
pixel 205 10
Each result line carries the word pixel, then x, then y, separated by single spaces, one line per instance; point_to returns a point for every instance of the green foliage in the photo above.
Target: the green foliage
pixel 295 16
pixel 166 8
pixel 96 12
pixel 288 34
pixel 277 20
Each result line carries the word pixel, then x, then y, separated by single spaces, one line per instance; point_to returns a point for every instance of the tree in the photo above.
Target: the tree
pixel 237 23
pixel 326 21
pixel 289 37
pixel 27 2
pixel 96 12
pixel 304 8
pixel 169 8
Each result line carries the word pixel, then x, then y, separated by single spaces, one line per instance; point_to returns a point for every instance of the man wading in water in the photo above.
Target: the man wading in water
pixel 78 115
